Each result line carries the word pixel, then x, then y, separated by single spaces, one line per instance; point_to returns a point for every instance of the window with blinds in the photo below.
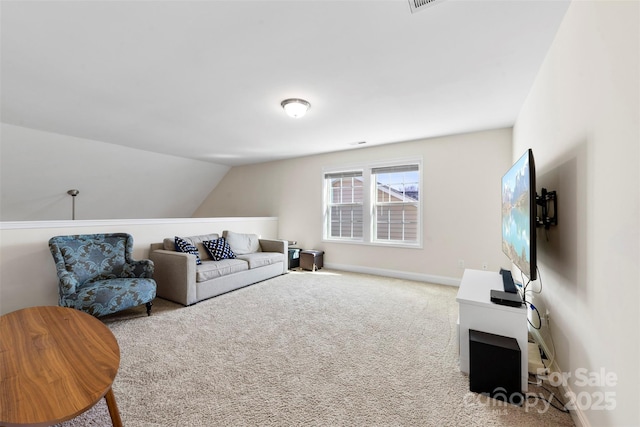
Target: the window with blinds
pixel 345 205
pixel 377 204
pixel 396 203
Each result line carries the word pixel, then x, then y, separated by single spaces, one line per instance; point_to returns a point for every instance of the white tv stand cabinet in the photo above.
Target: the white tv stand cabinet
pixel 477 312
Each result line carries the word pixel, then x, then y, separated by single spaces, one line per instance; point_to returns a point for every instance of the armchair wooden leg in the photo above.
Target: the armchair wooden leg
pixel 149 304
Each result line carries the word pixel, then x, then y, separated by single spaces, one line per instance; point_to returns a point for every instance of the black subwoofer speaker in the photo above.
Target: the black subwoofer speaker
pixel 494 366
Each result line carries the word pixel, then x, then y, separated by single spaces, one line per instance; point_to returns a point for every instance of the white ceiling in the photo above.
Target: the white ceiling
pixel 204 79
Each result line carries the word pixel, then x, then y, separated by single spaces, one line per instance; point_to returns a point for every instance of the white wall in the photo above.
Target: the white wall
pixel 37 168
pixel 461 203
pixel 28 273
pixel 582 119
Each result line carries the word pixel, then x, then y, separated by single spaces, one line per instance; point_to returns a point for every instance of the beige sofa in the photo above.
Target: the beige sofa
pixel 179 279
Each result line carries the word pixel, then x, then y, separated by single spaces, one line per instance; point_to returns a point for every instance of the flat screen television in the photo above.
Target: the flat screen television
pixel 519 211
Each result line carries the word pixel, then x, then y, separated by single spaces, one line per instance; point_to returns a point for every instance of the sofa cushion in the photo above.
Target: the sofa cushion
pixel 260 259
pixel 169 244
pixel 242 243
pixel 197 241
pixel 219 249
pixel 211 269
pixel 182 245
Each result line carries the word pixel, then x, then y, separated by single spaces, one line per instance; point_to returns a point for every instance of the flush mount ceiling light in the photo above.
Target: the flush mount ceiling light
pixel 295 107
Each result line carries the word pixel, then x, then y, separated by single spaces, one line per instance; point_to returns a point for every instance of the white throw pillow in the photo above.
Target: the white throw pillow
pixel 243 243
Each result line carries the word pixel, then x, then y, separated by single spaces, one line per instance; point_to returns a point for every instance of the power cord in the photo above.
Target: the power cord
pixel 549 399
pixel 539 381
pixel 533 307
pixel 553 347
pixel 539 291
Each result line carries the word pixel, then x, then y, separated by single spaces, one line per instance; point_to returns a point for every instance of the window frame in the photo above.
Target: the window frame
pixel 369 203
pixel 375 204
pixel 327 204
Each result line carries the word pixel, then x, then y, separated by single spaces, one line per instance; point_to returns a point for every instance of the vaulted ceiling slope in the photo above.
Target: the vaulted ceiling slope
pixel 204 79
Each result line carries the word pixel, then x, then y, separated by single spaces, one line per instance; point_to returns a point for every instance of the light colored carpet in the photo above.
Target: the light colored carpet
pixel 317 349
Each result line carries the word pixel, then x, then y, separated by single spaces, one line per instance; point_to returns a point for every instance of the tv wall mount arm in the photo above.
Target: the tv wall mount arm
pixel 546 200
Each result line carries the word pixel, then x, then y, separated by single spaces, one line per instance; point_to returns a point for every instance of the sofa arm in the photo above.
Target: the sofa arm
pixel 281 246
pixel 175 276
pixel 272 245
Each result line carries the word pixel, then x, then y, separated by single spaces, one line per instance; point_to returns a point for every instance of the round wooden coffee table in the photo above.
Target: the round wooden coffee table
pixel 55 363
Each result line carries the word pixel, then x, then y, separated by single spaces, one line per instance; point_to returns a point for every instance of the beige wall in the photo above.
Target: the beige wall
pixel 27 271
pixel 461 204
pixel 582 118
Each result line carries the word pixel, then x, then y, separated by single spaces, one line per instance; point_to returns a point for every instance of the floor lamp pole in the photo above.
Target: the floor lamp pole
pixel 73 194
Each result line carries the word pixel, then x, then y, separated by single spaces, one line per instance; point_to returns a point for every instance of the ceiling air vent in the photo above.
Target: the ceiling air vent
pixel 418 5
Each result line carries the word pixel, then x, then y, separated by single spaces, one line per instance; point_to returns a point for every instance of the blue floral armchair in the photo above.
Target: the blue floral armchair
pixel 96 273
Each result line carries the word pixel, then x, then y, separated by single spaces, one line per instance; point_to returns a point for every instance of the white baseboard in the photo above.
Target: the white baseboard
pixel 577 415
pixel 418 277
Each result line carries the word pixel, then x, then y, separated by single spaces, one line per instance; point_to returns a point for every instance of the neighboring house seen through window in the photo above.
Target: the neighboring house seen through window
pixel 396 203
pixel 375 204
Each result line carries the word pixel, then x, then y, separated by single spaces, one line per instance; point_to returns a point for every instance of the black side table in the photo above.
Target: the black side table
pixel 294 258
